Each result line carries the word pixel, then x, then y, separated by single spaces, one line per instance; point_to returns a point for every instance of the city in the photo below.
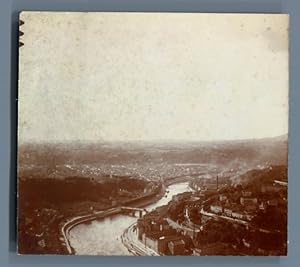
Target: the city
pixel 218 219
pixel 154 199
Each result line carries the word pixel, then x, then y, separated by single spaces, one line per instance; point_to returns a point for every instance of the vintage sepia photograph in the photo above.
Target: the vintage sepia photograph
pixel 152 134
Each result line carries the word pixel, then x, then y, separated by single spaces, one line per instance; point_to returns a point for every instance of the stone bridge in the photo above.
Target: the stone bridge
pixel 132 211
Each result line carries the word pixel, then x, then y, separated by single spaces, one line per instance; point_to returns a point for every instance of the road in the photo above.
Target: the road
pixel 134 245
pixel 246 223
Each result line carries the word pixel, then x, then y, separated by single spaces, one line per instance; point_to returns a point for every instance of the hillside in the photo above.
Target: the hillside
pixel 269 150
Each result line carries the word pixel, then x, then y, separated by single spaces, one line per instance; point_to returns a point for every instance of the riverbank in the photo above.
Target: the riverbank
pixel 135 246
pixel 137 203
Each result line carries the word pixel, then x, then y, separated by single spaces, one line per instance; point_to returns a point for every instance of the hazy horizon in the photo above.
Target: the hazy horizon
pixel 158 141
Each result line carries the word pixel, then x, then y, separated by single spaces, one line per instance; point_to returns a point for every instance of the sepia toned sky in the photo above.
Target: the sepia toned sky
pixel 152 76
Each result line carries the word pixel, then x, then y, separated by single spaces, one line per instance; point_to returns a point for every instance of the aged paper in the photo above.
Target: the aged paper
pixel 152 133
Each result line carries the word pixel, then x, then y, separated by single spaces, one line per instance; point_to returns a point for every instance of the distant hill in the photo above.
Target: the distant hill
pixel 256 151
pixel 264 176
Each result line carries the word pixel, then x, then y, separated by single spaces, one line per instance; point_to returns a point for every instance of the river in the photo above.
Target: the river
pixel 102 237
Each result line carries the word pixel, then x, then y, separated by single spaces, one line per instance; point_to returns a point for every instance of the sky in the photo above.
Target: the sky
pixel 93 77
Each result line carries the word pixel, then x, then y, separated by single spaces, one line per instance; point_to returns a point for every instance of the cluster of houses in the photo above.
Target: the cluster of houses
pixel 155 232
pixel 243 210
pixel 245 204
pixel 159 232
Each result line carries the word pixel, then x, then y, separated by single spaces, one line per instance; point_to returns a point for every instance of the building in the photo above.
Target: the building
pixel 262 206
pixel 246 201
pixel 228 212
pixel 181 196
pixel 249 203
pixel 248 217
pixel 235 197
pixel 194 200
pixel 241 216
pixel 158 241
pixel 265 188
pixel 222 197
pixel 196 252
pixel 216 209
pixel 151 241
pixel 237 215
pixel 151 223
pixel 278 182
pixel 211 187
pixel 176 247
pixel 246 193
